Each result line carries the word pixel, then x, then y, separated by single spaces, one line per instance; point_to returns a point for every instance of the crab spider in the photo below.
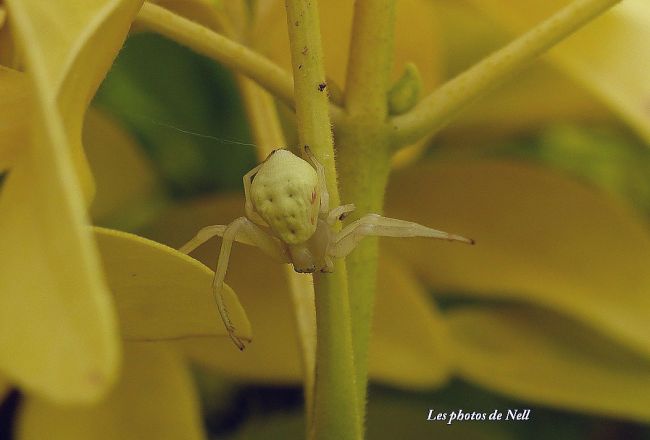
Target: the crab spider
pixel 288 218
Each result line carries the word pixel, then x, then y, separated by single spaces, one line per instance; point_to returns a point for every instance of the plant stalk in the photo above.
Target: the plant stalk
pixel 335 402
pixel 364 159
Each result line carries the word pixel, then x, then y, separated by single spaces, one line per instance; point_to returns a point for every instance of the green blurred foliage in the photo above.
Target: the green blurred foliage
pixel 607 157
pixel 184 109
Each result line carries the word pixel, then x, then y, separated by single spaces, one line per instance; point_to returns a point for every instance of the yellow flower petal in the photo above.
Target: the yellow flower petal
pixel 542 357
pixel 57 328
pixel 409 337
pixel 610 56
pixel 161 293
pixel 540 237
pixel 15 95
pixel 154 399
pixel 409 346
pixel 126 182
pixel 49 266
pixel 69 46
pixel 537 97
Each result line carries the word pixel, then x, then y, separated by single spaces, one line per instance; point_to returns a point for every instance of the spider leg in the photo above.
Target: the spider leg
pixel 248 204
pixel 250 234
pixel 376 225
pixel 220 273
pixel 322 182
pixel 202 236
pixel 241 229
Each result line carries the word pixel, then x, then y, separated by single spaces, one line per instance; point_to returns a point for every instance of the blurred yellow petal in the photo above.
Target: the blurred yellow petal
pixel 416 38
pixel 161 293
pixel 127 186
pixel 537 97
pixel 544 358
pixel 50 275
pixel 540 237
pixel 610 56
pixel 409 344
pixel 8 51
pixel 154 399
pixel 15 96
pixel 69 46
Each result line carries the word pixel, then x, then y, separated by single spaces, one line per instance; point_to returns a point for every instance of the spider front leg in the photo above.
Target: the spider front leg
pixel 244 231
pixel 376 225
pixel 248 203
pixel 202 236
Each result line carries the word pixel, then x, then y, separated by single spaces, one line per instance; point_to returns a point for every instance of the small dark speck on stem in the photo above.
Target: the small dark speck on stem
pixel 305 50
pixel 321 86
pixel 297 23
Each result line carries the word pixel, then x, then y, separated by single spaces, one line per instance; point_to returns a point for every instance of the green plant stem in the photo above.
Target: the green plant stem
pixel 370 61
pixel 437 109
pixel 335 406
pixel 364 159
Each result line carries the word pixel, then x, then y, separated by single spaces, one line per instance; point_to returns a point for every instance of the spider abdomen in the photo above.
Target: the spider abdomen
pixel 284 193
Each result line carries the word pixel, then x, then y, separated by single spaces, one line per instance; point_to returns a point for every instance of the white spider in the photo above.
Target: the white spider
pixel 288 218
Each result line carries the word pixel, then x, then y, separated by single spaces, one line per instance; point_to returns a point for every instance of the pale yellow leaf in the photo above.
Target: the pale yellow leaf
pixel 154 399
pixel 610 56
pixel 163 294
pixel 68 47
pixel 409 343
pixel 57 328
pixel 127 185
pixel 540 356
pixel 540 238
pixel 58 333
pixel 15 111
